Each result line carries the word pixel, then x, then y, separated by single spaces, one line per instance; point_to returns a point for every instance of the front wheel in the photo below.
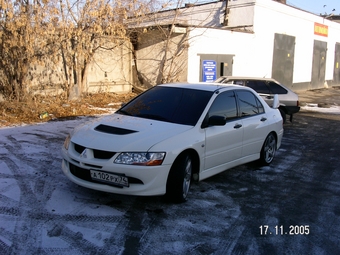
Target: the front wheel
pixel 268 150
pixel 179 179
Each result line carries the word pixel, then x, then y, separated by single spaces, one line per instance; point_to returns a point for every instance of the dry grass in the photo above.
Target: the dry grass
pixel 14 113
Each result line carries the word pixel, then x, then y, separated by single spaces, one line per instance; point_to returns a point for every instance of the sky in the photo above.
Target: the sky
pixel 317 6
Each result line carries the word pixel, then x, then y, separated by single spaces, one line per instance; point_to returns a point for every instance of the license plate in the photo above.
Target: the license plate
pixel 115 179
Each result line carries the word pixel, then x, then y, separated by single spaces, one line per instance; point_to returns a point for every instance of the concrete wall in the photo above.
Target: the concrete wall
pixel 203 15
pixel 110 71
pixel 152 53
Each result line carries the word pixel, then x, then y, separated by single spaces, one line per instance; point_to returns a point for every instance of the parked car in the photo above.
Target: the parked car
pixel 267 88
pixel 170 135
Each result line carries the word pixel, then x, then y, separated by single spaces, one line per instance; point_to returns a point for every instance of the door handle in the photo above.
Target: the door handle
pixel 263 119
pixel 237 126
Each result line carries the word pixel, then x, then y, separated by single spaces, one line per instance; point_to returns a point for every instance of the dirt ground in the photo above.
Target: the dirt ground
pixel 43 109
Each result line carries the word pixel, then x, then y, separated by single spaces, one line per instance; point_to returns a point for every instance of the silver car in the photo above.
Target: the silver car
pixel 267 88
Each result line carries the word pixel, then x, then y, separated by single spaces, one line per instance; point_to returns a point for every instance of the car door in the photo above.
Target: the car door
pixel 223 143
pixel 254 120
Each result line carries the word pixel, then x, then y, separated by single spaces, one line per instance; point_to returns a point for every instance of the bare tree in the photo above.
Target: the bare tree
pixel 68 34
pixel 23 24
pixel 84 28
pixel 64 33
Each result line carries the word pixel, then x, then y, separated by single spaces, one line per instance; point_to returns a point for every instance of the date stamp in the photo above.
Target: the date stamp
pixel 281 230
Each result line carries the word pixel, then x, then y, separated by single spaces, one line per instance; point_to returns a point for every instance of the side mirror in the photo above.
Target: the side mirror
pixel 217 121
pixel 276 102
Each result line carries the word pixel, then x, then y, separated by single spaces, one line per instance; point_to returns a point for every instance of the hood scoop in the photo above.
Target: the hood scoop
pixel 114 130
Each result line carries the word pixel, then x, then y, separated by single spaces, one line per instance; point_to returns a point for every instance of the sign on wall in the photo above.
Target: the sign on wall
pixel 320 29
pixel 209 70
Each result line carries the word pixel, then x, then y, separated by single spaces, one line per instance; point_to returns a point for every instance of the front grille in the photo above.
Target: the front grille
pixel 103 154
pixel 100 154
pixel 85 175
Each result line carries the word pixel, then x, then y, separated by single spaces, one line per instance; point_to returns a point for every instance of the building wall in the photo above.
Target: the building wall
pixel 110 71
pixel 253 52
pixel 203 15
pixel 241 15
pixel 272 17
pixel 153 50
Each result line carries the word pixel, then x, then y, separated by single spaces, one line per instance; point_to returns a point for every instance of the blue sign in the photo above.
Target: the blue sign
pixel 209 70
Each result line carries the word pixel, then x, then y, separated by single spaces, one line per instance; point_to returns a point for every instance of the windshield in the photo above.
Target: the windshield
pixel 175 105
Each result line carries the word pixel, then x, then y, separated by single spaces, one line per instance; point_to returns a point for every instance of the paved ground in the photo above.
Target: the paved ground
pixel 290 207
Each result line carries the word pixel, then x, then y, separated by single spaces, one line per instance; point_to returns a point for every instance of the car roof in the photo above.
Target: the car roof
pixel 255 78
pixel 202 86
pixel 248 78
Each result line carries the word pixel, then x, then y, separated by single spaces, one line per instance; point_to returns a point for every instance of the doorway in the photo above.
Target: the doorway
pixel 319 64
pixel 215 65
pixel 283 59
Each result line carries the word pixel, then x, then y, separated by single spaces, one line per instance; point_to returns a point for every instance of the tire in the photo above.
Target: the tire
pixel 179 179
pixel 268 150
pixel 283 115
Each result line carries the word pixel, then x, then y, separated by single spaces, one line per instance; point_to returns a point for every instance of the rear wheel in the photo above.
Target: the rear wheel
pixel 268 150
pixel 179 179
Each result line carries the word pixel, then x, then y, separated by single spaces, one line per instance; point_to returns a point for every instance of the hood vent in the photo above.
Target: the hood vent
pixel 113 130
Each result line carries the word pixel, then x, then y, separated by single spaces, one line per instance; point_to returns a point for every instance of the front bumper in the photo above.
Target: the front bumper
pixel 143 180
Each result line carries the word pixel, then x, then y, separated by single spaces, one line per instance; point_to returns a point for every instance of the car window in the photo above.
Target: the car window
pixel 276 88
pixel 221 80
pixel 239 82
pixel 258 86
pixel 259 105
pixel 249 104
pixel 176 105
pixel 224 105
pixel 226 81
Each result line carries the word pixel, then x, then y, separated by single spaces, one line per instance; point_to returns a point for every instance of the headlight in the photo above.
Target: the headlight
pixel 67 142
pixel 140 158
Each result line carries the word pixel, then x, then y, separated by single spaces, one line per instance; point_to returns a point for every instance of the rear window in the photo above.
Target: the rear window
pixel 176 105
pixel 259 86
pixel 276 88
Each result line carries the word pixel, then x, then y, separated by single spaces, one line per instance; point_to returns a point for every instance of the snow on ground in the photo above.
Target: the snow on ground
pixel 44 211
pixel 333 109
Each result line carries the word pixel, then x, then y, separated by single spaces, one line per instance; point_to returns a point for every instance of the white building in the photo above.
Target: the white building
pixel 262 38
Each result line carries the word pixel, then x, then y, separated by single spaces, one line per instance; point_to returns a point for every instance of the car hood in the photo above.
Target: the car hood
pixel 125 133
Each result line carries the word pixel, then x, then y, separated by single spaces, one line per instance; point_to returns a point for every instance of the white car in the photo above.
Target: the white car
pixel 170 135
pixel 267 88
